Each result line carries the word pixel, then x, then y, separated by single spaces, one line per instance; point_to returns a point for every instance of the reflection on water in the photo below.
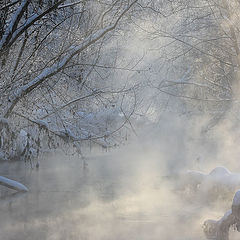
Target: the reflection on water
pixel 112 199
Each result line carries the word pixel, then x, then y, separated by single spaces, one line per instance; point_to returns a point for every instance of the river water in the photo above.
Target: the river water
pixel 108 199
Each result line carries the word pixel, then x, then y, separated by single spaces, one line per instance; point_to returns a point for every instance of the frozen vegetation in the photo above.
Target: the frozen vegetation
pixel 219 181
pixel 121 118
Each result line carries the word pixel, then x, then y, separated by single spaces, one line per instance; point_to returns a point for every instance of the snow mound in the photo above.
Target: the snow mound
pixel 12 184
pixel 219 171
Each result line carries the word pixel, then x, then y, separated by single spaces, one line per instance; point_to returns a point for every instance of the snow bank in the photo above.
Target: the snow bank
pixel 12 184
pixel 219 176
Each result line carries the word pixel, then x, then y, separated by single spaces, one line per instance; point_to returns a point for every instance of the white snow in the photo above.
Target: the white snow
pixel 56 67
pixel 2 156
pixel 66 133
pixel 194 177
pixel 220 172
pixel 12 184
pixel 42 123
pixel 69 4
pixel 9 30
pixel 4 121
pixel 226 215
pixel 236 199
pixel 219 178
pixel 29 21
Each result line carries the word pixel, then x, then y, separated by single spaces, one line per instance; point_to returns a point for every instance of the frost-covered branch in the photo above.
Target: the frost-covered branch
pixel 60 64
pixel 12 33
pixel 69 5
pixel 13 24
pixel 30 21
pixel 195 98
pixel 9 5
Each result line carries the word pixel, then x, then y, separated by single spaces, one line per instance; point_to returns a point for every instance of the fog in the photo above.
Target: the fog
pixel 121 194
pixel 134 191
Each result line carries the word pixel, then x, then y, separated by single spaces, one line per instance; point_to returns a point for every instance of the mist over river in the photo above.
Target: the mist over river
pixel 111 198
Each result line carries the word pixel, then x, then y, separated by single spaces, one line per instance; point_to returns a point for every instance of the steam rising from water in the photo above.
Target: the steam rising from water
pixel 121 195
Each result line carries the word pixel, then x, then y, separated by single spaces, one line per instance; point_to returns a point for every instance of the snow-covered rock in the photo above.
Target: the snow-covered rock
pixel 191 179
pixel 210 229
pixel 219 229
pixel 219 182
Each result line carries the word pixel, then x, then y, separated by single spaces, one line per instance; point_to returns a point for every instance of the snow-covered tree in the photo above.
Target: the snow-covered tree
pixel 50 84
